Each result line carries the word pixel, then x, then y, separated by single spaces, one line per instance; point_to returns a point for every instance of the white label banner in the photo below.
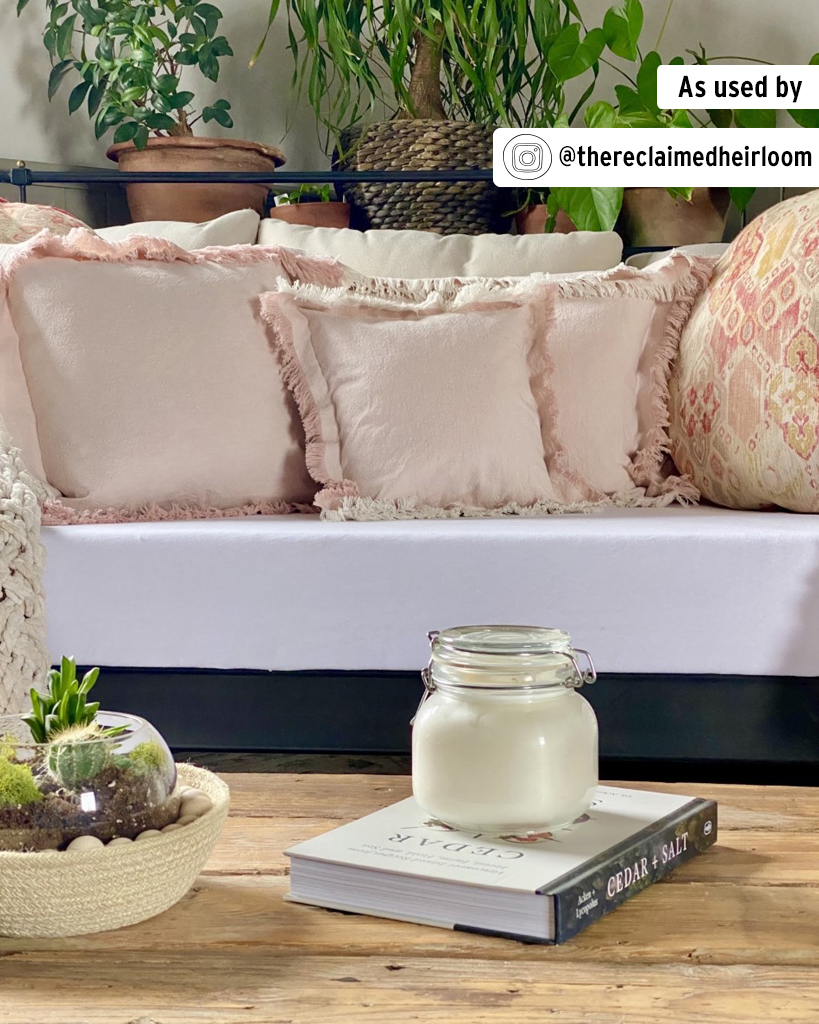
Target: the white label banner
pixel 738 86
pixel 655 157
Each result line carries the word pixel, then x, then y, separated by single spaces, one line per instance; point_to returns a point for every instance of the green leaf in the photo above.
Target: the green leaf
pixel 806 118
pixel 223 105
pixel 107 118
pixel 680 120
pixel 647 81
pixel 601 115
pixel 20 5
pixel 211 15
pixel 628 99
pixel 57 74
pixel 721 118
pixel 95 95
pixel 755 118
pixel 681 193
pixel 186 58
pixel 622 26
pixel 167 84
pixel 209 66
pixel 178 100
pixel 219 115
pixel 570 56
pixel 591 209
pixel 740 197
pixel 141 136
pixel 126 132
pixel 220 47
pixel 65 35
pixel 78 94
pixel 136 92
pixel 160 122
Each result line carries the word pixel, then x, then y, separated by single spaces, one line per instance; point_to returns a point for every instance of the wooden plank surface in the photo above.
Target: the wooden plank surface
pixel 731 937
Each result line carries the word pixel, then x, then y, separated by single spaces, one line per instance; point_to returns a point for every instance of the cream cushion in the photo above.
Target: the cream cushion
pixel 387 253
pixel 237 228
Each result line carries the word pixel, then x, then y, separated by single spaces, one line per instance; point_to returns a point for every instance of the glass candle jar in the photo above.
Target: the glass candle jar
pixel 502 742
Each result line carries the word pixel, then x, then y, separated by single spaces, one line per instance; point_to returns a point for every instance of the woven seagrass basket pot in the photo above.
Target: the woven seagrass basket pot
pixel 53 894
pixel 454 207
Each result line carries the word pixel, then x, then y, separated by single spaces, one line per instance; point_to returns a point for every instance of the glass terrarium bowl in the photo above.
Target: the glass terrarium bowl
pixel 84 783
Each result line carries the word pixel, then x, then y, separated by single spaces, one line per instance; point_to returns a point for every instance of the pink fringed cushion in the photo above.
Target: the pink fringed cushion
pixel 139 382
pixel 414 411
pixel 745 391
pixel 21 221
pixel 607 353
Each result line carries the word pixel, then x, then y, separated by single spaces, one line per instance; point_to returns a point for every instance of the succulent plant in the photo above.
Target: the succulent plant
pixel 79 754
pixel 64 706
pixel 17 785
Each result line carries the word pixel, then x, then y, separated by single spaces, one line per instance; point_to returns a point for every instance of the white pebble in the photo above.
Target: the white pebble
pixel 85 843
pixel 187 819
pixel 149 833
pixel 174 825
pixel 120 841
pixel 197 805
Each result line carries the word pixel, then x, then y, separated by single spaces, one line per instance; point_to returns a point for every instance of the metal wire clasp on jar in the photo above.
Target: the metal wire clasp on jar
pixel 502 742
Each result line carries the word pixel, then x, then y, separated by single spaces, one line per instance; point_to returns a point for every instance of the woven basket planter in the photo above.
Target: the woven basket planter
pixel 454 207
pixel 53 894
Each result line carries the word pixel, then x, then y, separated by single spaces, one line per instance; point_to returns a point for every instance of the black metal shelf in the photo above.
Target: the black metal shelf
pixel 23 177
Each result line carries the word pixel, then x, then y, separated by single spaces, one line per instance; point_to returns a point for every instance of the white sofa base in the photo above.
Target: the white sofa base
pixel 679 591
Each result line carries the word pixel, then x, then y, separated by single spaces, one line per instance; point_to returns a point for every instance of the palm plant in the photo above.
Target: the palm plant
pixel 480 61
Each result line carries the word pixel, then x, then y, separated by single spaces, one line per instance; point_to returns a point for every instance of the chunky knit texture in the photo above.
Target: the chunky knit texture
pixel 23 653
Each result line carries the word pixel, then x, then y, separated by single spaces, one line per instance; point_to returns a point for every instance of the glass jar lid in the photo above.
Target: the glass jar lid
pixel 506 657
pixel 527 641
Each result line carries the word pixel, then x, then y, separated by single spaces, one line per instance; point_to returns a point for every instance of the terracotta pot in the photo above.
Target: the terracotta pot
pixel 650 216
pixel 314 215
pixel 532 221
pixel 170 201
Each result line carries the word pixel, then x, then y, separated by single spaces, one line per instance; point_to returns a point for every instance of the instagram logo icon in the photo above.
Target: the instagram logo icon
pixel 526 156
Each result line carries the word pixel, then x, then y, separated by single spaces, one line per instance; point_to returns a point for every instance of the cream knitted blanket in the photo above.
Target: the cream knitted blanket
pixel 24 658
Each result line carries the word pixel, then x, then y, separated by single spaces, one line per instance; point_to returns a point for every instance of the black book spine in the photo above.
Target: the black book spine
pixel 584 897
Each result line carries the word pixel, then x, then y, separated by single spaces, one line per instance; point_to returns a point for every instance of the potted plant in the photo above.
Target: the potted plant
pixel 126 59
pixel 98 827
pixel 311 205
pixel 644 216
pixel 70 772
pixel 446 75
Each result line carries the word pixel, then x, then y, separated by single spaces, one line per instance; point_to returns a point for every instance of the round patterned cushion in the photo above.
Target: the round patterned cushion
pixel 21 221
pixel 745 388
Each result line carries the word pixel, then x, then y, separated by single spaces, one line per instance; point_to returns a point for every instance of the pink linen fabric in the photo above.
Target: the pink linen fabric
pixel 607 352
pixel 139 382
pixel 415 411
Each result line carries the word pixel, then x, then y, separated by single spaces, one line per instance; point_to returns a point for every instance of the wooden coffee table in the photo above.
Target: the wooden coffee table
pixel 731 937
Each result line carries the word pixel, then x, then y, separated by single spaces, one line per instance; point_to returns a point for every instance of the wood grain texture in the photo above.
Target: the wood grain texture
pixel 731 938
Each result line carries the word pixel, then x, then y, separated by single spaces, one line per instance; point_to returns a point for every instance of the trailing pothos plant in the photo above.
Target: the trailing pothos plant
pixel 126 58
pixel 579 51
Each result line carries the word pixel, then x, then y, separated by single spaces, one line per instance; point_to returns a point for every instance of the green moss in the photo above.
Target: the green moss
pixel 147 756
pixel 17 786
pixel 8 746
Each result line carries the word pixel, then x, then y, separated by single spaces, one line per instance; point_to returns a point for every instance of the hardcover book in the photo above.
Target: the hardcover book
pixel 401 864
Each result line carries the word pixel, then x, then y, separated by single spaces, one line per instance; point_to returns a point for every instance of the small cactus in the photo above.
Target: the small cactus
pixel 78 755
